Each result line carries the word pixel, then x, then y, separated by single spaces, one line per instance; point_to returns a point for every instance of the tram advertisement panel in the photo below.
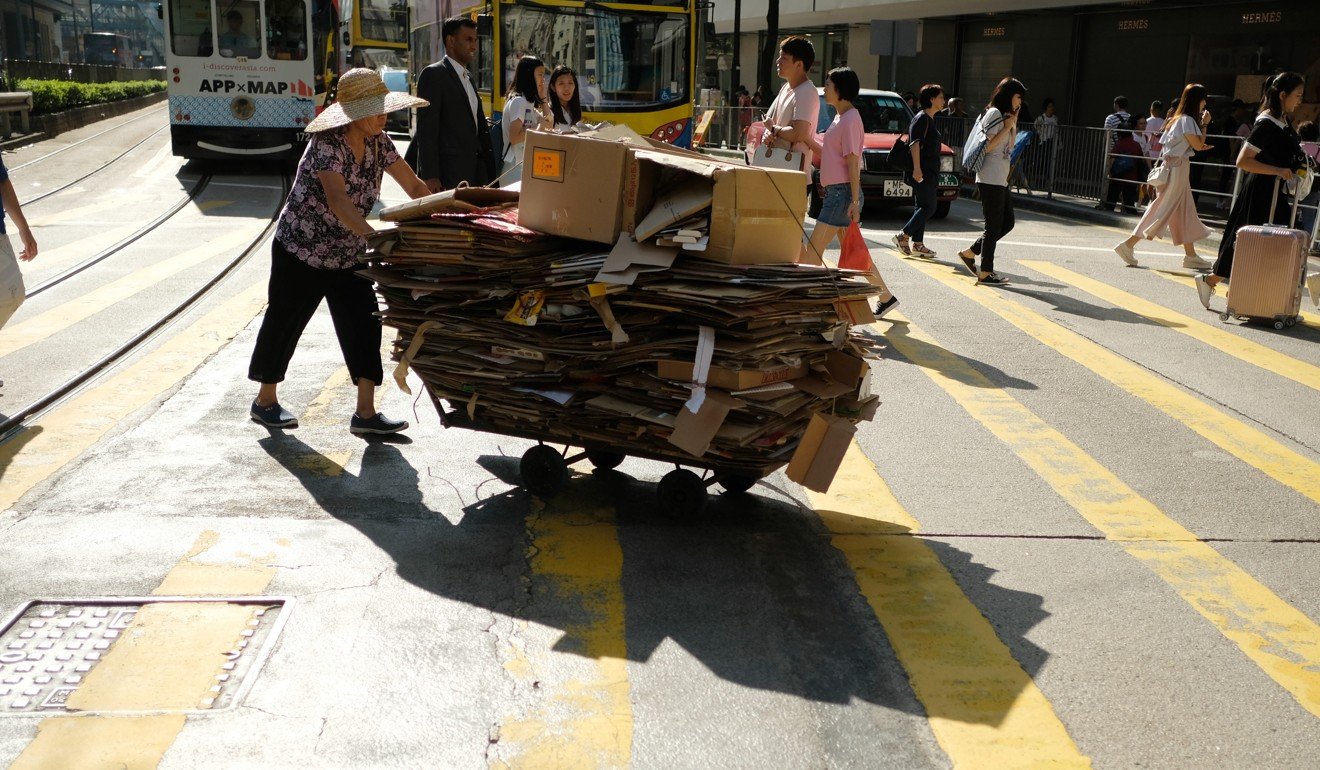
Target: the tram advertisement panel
pixel 242 65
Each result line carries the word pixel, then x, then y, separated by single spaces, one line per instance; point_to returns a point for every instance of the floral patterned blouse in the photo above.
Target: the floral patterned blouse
pixel 307 226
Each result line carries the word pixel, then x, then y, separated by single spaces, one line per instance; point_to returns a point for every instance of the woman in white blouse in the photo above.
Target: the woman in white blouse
pixel 525 108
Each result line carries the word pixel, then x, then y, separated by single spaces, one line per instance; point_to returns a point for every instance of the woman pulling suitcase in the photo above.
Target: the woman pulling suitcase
pixel 1272 151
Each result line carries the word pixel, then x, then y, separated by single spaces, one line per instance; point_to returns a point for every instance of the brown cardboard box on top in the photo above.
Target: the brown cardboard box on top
pixel 572 186
pixel 821 451
pixel 730 379
pixel 756 214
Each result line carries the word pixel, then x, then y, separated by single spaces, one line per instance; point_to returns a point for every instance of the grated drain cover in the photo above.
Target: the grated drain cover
pixel 49 647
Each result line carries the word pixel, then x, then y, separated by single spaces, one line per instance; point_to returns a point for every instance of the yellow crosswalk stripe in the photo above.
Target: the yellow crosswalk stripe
pixel 984 710
pixel 83 248
pixel 72 427
pixel 582 714
pixel 59 318
pixel 1186 280
pixel 1234 345
pixel 1244 442
pixel 1283 641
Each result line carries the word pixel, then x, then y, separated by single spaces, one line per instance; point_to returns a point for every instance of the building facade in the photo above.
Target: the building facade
pixel 1080 55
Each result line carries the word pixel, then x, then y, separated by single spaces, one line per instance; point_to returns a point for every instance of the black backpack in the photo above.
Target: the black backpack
pixel 497 144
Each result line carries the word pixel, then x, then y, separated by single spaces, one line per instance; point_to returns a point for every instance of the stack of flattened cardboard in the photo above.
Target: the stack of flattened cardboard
pixel 642 349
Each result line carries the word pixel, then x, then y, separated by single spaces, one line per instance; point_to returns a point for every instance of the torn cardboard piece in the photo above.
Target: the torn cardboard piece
pixel 693 431
pixel 820 452
pixel 629 259
pixel 458 199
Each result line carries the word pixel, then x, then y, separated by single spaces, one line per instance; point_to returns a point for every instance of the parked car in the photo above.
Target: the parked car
pixel 395 79
pixel 885 116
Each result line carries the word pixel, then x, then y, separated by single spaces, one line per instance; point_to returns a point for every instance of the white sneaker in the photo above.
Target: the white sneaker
pixel 1313 286
pixel 1125 251
pixel 1196 263
pixel 1204 290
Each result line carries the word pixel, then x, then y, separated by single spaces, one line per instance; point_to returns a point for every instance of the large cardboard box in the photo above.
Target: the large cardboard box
pixel 572 186
pixel 756 214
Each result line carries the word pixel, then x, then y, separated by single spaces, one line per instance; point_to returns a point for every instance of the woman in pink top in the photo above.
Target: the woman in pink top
pixel 841 174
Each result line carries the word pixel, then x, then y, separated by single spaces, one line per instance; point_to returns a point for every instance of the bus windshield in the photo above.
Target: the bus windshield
pixel 384 21
pixel 623 60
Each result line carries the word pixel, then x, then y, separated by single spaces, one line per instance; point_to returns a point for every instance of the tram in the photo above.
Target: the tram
pixel 635 61
pixel 107 48
pixel 246 76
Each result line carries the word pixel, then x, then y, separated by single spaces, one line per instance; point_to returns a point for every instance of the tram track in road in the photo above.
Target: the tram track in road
pixel 94 171
pixel 80 142
pixel 193 194
pixel 14 423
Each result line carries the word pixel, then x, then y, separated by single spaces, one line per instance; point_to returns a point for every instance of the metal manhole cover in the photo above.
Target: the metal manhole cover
pixel 49 648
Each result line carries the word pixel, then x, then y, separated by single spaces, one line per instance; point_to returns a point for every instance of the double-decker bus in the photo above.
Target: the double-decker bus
pixel 635 61
pixel 374 33
pixel 246 76
pixel 107 48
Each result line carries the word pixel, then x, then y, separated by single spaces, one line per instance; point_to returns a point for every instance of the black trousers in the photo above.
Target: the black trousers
pixel 1125 189
pixel 997 208
pixel 296 290
pixel 924 201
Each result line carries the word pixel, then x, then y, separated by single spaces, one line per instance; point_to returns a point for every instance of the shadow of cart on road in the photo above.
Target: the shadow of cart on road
pixel 754 590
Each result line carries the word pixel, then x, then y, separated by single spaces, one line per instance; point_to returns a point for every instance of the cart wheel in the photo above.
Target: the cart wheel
pixel 737 482
pixel 682 493
pixel 543 470
pixel 1278 324
pixel 1223 317
pixel 1291 321
pixel 604 458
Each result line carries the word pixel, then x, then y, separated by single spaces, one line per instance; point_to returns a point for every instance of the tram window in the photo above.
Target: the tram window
pixel 286 29
pixel 240 34
pixel 190 28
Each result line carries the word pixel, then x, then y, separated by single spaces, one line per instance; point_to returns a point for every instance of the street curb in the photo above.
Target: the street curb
pixel 56 123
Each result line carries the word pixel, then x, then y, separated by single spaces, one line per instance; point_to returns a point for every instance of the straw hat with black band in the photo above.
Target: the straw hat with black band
pixel 361 94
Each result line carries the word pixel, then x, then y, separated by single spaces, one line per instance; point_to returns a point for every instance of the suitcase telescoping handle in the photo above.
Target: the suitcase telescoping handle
pixel 1274 204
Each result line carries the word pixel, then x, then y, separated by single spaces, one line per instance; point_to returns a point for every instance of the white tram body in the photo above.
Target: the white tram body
pixel 243 75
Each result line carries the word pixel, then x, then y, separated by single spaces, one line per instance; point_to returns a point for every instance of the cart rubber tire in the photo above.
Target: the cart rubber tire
pixel 682 493
pixel 942 209
pixel 737 482
pixel 1291 321
pixel 1223 317
pixel 1278 325
pixel 543 470
pixel 604 458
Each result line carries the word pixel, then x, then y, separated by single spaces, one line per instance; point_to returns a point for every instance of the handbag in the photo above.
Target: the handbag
pixel 900 156
pixel 974 152
pixel 1158 176
pixel 769 156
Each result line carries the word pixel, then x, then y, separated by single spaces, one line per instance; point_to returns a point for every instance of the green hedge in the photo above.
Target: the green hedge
pixel 60 95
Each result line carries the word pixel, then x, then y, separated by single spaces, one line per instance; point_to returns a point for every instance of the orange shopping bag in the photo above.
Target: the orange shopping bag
pixel 854 255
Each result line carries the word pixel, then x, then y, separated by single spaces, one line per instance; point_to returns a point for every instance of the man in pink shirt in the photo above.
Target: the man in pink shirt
pixel 791 119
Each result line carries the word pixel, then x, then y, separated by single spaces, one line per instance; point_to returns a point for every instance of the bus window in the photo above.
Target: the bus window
pixel 240 33
pixel 190 28
pixel 286 29
pixel 623 62
pixel 384 21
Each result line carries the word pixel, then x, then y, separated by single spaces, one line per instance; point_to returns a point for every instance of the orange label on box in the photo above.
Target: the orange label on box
pixel 548 164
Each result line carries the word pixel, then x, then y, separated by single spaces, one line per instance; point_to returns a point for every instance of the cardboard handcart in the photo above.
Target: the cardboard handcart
pixel 615 340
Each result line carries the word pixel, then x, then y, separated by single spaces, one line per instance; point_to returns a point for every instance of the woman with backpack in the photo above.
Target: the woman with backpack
pixel 1127 170
pixel 999 123
pixel 1174 209
pixel 525 107
pixel 924 145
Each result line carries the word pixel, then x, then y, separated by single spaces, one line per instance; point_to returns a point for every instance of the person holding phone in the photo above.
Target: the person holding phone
pixel 1000 125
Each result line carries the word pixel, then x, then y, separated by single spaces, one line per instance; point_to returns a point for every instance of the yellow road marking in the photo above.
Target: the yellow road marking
pixel 318 412
pixel 1244 442
pixel 167 658
pixel 1284 642
pixel 83 248
pixel 67 314
pixel 1186 280
pixel 585 715
pixel 1234 345
pixel 77 212
pixel 78 424
pixel 984 710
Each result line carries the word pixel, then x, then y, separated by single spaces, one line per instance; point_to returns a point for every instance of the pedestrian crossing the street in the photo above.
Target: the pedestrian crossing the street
pixel 1080 630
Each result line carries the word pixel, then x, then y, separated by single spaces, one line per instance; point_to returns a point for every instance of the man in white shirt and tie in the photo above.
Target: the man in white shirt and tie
pixel 452 140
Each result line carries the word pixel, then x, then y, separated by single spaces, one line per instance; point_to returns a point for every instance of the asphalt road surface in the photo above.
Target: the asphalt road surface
pixel 1083 529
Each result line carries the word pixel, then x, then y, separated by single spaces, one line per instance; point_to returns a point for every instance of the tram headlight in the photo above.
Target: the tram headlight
pixel 242 108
